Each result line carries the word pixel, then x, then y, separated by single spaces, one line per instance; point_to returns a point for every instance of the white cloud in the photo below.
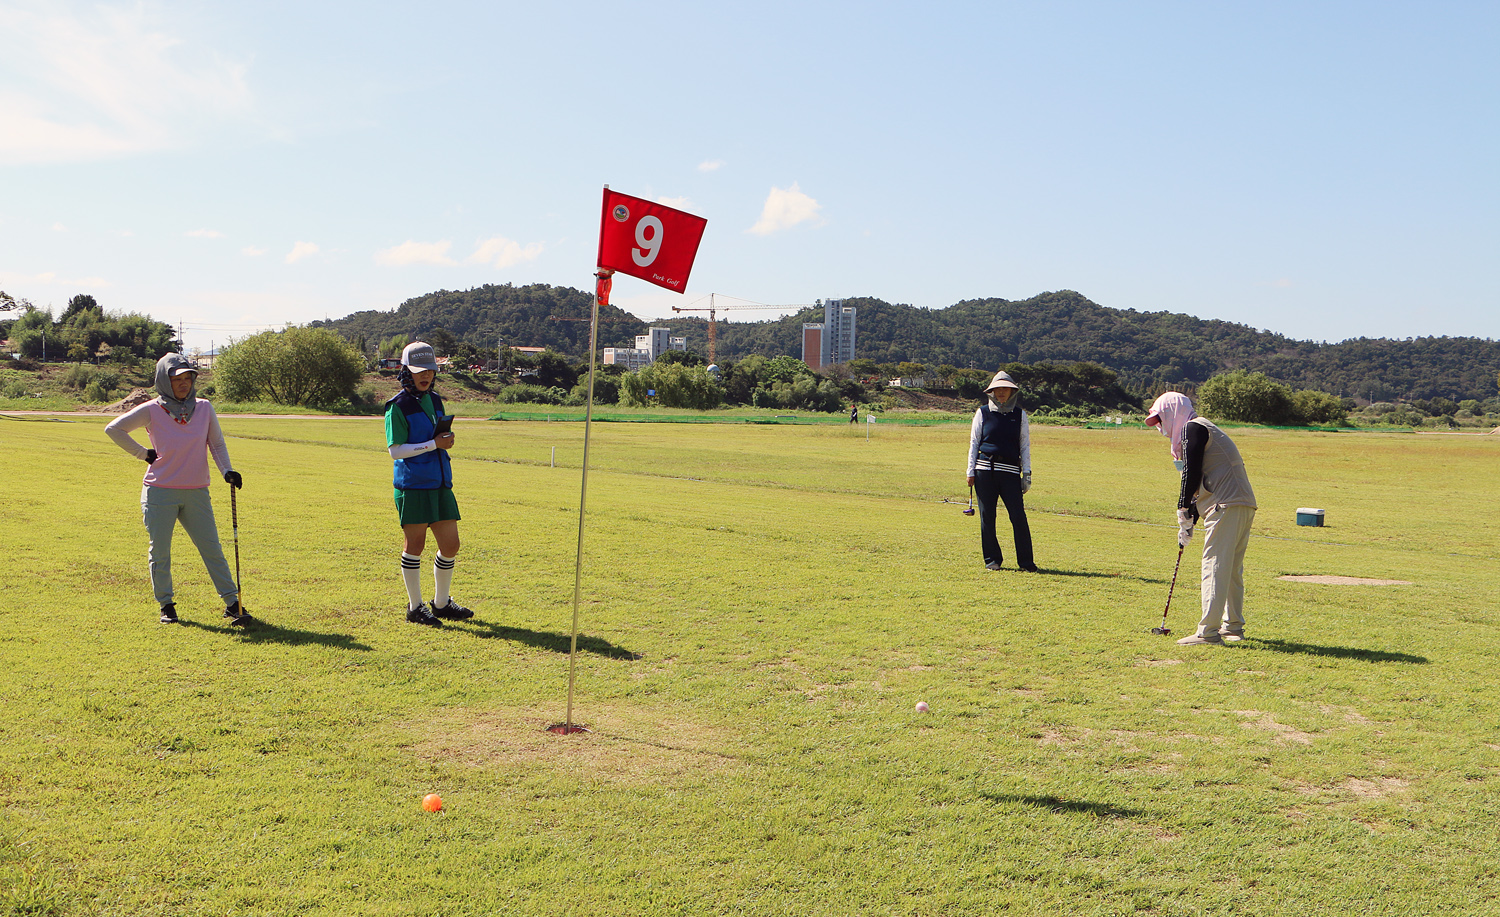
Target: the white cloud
pixel 679 203
pixel 785 208
pixel 204 234
pixel 712 165
pixel 95 82
pixel 252 251
pixel 501 252
pixel 410 252
pixel 58 227
pixel 50 279
pixel 301 250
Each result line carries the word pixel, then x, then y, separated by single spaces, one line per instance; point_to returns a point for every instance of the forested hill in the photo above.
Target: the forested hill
pixel 1146 349
pixel 537 315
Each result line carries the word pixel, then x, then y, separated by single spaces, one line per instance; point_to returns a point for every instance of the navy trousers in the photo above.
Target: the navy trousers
pixel 991 487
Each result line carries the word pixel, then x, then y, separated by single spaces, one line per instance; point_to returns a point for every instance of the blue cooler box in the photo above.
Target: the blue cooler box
pixel 1307 516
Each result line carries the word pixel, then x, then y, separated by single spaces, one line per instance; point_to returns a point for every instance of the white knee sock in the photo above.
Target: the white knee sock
pixel 411 574
pixel 442 576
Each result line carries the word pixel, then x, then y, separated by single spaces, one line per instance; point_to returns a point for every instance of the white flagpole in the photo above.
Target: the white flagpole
pixel 588 423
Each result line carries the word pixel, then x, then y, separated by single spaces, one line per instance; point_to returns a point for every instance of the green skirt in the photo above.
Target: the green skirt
pixel 424 507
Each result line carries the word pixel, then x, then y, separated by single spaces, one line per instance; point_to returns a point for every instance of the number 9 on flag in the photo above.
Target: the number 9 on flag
pixel 654 242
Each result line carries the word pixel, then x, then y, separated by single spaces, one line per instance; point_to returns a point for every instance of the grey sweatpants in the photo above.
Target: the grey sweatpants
pixel 162 508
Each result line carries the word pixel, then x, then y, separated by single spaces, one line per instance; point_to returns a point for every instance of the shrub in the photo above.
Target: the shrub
pixel 1315 407
pixel 305 366
pixel 1245 397
pixel 524 393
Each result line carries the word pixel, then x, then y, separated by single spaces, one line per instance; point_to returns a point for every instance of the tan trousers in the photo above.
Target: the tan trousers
pixel 1226 535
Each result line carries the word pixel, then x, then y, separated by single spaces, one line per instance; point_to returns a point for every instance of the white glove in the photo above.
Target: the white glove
pixel 1025 481
pixel 1184 528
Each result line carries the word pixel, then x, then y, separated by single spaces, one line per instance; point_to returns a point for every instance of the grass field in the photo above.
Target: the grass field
pixel 763 606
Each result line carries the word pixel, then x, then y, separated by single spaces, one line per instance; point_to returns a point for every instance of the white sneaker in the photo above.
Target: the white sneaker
pixel 1200 639
pixel 1231 636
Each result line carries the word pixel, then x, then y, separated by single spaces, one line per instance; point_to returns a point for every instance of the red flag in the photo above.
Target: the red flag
pixel 654 242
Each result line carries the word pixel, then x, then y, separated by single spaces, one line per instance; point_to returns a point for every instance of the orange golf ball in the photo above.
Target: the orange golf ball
pixel 432 802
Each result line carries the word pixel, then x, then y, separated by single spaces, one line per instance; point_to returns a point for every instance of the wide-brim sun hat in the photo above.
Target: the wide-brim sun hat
pixel 1001 380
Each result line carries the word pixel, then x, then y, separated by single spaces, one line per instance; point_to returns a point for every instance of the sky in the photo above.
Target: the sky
pixel 1324 170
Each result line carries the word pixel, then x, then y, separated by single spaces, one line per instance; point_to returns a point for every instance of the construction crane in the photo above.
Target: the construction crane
pixel 713 308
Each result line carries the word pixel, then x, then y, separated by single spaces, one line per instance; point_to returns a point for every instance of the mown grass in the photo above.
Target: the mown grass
pixel 763 607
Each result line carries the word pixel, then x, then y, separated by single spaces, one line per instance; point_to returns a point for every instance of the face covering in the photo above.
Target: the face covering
pixel 1009 405
pixel 180 409
pixel 1174 410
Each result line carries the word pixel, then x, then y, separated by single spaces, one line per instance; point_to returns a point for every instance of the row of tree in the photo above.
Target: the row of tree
pixel 84 333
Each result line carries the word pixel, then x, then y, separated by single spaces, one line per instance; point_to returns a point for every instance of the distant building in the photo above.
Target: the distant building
pixel 648 346
pixel 812 345
pixel 832 340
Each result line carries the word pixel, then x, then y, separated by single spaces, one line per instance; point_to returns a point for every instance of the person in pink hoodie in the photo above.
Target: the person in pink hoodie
pixel 1215 489
pixel 183 431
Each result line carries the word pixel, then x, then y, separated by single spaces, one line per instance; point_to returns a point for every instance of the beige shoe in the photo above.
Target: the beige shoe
pixel 1200 639
pixel 1231 636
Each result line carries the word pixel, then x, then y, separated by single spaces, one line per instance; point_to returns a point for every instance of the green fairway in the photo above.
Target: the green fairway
pixel 763 606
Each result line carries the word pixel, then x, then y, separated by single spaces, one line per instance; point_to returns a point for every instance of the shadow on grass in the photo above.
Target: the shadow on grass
pixel 1062 806
pixel 1337 652
pixel 547 640
pixel 1051 571
pixel 262 632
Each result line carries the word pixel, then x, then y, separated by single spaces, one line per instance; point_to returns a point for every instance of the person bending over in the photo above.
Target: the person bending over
pixel 1216 489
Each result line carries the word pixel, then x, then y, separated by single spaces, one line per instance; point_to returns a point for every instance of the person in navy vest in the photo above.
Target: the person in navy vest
pixel 424 485
pixel 1000 469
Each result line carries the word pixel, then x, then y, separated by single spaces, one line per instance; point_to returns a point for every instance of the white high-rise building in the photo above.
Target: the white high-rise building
pixel 831 340
pixel 648 346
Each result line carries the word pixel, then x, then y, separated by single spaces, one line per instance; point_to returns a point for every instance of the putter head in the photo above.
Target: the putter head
pixel 969 511
pixel 1159 631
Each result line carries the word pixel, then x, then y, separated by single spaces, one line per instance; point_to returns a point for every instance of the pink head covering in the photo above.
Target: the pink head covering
pixel 1172 411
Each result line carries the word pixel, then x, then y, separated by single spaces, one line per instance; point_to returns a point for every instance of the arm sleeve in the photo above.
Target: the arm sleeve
pixel 396 431
pixel 216 445
pixel 975 430
pixel 119 429
pixel 1025 443
pixel 1192 466
pixel 407 450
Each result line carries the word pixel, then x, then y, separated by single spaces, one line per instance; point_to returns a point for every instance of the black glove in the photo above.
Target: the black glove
pixel 233 479
pixel 150 456
pixel 1192 509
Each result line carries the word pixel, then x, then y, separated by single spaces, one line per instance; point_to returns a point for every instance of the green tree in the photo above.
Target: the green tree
pixel 675 385
pixel 306 366
pixel 1245 397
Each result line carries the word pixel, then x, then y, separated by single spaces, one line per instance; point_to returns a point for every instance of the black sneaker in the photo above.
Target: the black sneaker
pixel 420 615
pixel 169 613
pixel 453 612
pixel 238 617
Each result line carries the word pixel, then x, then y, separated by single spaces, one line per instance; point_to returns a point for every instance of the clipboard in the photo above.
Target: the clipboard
pixel 444 425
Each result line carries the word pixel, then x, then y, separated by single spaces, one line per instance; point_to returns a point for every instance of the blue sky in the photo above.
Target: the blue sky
pixel 1324 170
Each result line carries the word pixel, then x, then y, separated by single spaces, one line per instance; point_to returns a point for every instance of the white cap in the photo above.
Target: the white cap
pixel 418 356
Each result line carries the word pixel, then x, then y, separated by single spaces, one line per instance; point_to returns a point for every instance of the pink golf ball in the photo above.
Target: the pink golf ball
pixel 921 706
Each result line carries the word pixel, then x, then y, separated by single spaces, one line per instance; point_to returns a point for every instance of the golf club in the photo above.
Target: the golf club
pixel 970 510
pixel 1164 629
pixel 234 517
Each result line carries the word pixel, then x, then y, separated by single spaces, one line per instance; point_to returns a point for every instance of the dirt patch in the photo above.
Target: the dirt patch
pixel 1344 581
pixel 137 396
pixel 1282 732
pixel 1154 663
pixel 621 746
pixel 1374 789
